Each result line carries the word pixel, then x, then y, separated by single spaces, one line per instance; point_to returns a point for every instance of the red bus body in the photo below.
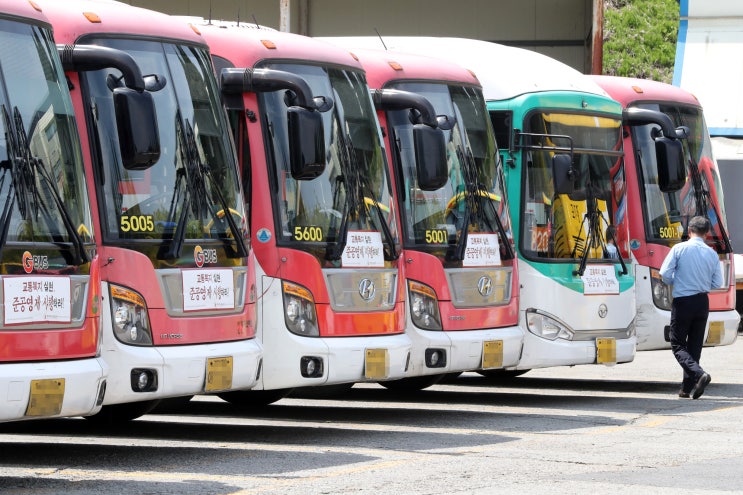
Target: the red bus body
pixel 344 342
pixel 650 241
pixel 472 329
pixel 50 363
pixel 177 320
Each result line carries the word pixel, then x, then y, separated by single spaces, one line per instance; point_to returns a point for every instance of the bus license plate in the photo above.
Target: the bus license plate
pixel 218 374
pixel 492 354
pixel 377 364
pixel 714 335
pixel 606 351
pixel 46 397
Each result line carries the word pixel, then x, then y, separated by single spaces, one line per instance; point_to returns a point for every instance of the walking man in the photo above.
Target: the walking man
pixel 693 268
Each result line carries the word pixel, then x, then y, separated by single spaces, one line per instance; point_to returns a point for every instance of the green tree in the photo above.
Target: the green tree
pixel 640 38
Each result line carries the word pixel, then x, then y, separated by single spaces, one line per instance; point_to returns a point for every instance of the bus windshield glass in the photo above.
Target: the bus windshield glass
pixel 42 181
pixel 353 193
pixel 186 194
pixel 434 220
pixel 666 214
pixel 563 226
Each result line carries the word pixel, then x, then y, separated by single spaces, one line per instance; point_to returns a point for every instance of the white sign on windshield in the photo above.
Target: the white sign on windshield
pixel 37 300
pixel 482 250
pixel 363 250
pixel 600 279
pixel 208 289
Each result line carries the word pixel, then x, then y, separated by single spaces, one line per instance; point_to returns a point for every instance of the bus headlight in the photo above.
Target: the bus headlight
pixel 546 326
pixel 131 324
pixel 662 296
pixel 299 310
pixel 424 306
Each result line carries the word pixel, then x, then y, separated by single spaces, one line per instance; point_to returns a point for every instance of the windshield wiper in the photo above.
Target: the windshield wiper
pixel 192 174
pixel 350 180
pixel 468 197
pixel 704 200
pixel 204 172
pixel 483 196
pixel 24 167
pixel 594 237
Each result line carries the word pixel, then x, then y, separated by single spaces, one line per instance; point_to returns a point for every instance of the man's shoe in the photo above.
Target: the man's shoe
pixel 702 383
pixel 683 395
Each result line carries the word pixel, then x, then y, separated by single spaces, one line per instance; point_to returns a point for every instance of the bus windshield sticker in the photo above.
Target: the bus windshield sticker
pixel 208 289
pixel 482 250
pixel 363 250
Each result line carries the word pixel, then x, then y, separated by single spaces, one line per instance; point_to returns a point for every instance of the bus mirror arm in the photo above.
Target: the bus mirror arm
pixel 393 99
pixel 80 58
pixel 238 81
pixel 641 116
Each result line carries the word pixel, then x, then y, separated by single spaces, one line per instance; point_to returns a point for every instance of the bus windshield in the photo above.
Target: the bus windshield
pixel 666 214
pixel 186 194
pixel 564 226
pixel 353 193
pixel 42 186
pixel 434 220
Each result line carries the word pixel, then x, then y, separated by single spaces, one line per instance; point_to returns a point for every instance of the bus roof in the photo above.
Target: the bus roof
pixel 627 90
pixel 74 18
pixel 383 67
pixel 504 72
pixel 27 9
pixel 245 45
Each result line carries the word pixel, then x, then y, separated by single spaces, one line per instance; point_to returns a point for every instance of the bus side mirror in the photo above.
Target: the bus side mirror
pixel 563 173
pixel 671 168
pixel 136 123
pixel 306 143
pixel 430 157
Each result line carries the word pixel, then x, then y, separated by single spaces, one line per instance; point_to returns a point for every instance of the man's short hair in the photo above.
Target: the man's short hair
pixel 699 225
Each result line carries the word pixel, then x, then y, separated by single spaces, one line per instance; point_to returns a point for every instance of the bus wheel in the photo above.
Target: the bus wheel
pixel 254 398
pixel 172 405
pixel 412 384
pixel 502 375
pixel 119 413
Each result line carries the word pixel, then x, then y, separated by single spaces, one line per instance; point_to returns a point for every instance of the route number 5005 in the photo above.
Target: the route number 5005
pixel 137 223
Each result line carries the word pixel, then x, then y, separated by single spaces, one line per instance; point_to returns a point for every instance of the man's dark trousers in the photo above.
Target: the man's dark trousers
pixel 688 321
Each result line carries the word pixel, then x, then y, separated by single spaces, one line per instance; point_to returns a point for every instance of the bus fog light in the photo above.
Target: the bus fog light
pixel 435 358
pixel 144 380
pixel 311 366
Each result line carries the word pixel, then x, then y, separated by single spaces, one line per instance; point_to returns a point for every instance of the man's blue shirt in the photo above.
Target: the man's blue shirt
pixel 692 267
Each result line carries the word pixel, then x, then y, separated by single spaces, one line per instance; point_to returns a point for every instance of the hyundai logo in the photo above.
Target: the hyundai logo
pixel 603 310
pixel 485 286
pixel 367 289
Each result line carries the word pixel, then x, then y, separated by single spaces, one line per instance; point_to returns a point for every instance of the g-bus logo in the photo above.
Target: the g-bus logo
pixel 204 256
pixel 38 262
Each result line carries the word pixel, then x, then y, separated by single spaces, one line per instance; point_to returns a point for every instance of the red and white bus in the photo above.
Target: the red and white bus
pixel 50 364
pixel 459 261
pixel 331 307
pixel 177 313
pixel 663 210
